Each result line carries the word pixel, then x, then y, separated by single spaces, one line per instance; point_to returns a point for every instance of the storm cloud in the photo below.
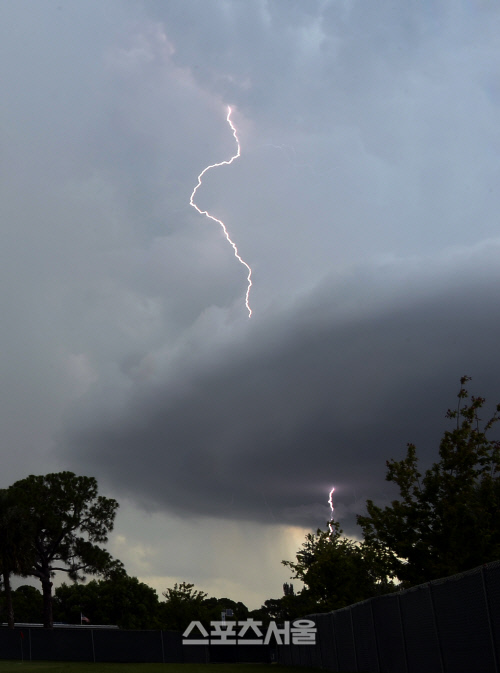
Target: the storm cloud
pixel 365 201
pixel 320 394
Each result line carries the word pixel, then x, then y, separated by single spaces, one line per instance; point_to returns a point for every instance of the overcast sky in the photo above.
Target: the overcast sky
pixel 365 201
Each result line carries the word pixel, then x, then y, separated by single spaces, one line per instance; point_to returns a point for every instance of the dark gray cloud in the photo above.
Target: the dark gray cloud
pixel 318 395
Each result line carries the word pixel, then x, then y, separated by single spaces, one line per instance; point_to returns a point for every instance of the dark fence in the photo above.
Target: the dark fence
pixel 450 625
pixel 94 645
pixel 114 645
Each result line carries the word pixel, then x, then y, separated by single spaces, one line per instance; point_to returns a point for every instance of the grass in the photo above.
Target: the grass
pixel 89 667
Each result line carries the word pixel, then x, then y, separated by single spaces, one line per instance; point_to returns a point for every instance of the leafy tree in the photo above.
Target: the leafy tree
pixel 447 520
pixel 28 603
pixel 122 600
pixel 183 605
pixel 272 609
pixel 336 571
pixel 72 600
pixel 66 519
pixel 215 606
pixel 288 607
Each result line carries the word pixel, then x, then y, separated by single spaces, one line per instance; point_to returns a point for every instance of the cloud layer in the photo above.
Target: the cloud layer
pixel 320 394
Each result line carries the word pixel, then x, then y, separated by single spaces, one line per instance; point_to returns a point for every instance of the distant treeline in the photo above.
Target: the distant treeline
pixel 128 603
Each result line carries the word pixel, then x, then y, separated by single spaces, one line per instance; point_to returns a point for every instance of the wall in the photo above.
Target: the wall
pixel 450 625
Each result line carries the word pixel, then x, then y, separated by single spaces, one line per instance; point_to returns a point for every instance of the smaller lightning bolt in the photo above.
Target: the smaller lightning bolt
pixel 220 222
pixel 330 502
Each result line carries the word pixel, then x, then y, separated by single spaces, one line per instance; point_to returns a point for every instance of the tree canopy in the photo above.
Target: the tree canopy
pixel 446 520
pixel 121 600
pixel 183 604
pixel 336 571
pixel 66 520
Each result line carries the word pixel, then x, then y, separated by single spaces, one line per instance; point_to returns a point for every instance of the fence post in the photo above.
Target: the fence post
pixel 162 648
pixel 93 648
pixel 402 631
pixel 440 649
pixel 353 640
pixel 375 634
pixel 335 642
pixel 488 614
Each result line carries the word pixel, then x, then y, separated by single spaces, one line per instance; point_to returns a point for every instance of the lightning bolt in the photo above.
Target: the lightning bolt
pixel 220 222
pixel 330 502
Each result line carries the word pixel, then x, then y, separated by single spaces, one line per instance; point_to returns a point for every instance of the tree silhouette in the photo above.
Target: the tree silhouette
pixel 65 519
pixel 447 520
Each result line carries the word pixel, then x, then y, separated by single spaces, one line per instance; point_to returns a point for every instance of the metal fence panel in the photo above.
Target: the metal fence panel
pixel 254 654
pixel 491 576
pixel 295 655
pixel 422 643
pixel 312 653
pixel 171 642
pixel 284 653
pixel 127 646
pixel 195 654
pixel 345 640
pixel 223 654
pixel 13 645
pixel 326 641
pixel 389 633
pixel 364 638
pixel 462 623
pixel 59 645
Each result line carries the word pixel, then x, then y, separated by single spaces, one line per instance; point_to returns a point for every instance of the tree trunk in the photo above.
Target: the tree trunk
pixel 47 603
pixel 8 599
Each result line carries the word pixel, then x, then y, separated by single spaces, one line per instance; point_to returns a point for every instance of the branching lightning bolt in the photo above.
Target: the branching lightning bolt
pixel 330 502
pixel 220 222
